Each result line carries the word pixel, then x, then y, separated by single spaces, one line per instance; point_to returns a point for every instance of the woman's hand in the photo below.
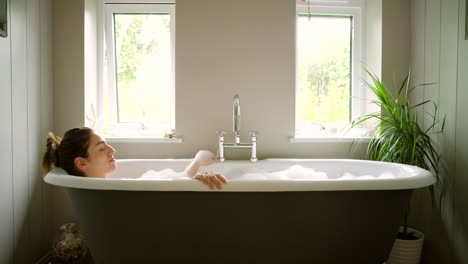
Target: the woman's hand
pixel 211 179
pixel 205 158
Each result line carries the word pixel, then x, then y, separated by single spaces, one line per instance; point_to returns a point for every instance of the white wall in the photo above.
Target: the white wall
pixel 395 40
pixel 90 53
pixel 240 47
pixel 25 230
pixel 373 38
pixel 68 63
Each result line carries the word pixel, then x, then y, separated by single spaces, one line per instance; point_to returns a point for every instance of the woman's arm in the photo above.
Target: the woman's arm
pixel 202 158
pixel 205 158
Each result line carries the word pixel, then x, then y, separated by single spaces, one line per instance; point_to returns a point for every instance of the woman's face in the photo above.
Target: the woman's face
pixel 100 160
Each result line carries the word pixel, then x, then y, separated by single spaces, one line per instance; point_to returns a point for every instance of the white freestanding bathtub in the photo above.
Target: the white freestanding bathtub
pixel 272 211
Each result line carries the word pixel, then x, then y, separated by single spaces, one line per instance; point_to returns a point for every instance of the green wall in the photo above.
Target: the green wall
pixel 440 56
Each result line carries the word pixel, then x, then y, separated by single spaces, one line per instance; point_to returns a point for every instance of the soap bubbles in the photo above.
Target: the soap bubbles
pixel 295 172
pixel 166 174
pixel 245 173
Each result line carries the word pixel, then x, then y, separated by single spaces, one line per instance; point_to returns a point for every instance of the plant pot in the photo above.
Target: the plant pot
pixel 407 251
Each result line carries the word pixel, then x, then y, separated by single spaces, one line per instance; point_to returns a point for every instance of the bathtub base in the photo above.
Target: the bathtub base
pixel 230 227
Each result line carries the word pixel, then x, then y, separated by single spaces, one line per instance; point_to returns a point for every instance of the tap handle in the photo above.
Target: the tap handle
pixel 221 133
pixel 253 133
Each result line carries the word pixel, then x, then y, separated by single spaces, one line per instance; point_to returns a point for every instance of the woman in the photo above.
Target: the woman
pixel 82 152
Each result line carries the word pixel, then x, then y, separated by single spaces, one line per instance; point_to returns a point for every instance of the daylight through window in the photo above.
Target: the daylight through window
pixel 140 69
pixel 327 53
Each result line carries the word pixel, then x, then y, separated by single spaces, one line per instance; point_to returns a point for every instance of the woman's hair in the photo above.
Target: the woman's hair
pixel 62 152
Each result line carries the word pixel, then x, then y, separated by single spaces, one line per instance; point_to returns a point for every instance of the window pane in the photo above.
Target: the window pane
pixel 143 68
pixel 324 70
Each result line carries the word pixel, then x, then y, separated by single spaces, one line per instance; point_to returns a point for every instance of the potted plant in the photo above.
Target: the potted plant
pixel 398 137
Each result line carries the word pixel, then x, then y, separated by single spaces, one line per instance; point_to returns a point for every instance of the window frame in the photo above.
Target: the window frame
pixel 354 9
pixel 133 129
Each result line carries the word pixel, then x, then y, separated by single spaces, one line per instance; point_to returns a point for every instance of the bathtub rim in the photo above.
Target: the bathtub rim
pixel 421 178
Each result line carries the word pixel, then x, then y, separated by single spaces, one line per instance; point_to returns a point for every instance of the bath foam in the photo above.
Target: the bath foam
pixel 349 176
pixel 295 172
pixel 166 174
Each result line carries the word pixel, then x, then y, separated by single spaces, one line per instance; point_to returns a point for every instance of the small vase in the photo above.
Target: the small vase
pixel 407 251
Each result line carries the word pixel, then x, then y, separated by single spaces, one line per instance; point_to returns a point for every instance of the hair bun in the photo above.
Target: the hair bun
pixel 53 141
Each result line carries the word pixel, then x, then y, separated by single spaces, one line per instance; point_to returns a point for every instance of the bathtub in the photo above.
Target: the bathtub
pixel 351 217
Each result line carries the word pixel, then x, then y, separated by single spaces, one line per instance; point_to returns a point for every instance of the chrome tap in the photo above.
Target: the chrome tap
pixel 221 144
pixel 236 127
pixel 236 118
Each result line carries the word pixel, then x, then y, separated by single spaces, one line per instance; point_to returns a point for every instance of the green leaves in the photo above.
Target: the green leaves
pixel 397 136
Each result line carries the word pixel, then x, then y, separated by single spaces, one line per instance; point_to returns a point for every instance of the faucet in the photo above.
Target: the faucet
pixel 236 118
pixel 236 129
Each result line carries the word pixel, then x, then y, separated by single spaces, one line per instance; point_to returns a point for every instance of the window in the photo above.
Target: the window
pixel 328 93
pixel 138 92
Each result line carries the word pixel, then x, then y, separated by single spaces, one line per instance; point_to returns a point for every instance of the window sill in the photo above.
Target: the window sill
pixel 145 140
pixel 330 140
